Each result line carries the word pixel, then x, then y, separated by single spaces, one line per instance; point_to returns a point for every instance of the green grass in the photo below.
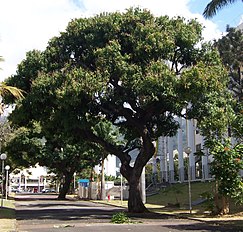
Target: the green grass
pixel 8 210
pixel 7 216
pixel 167 202
pixel 178 194
pixel 176 199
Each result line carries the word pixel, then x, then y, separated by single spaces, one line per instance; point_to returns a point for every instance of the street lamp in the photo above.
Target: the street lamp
pixel 121 184
pixel 7 167
pixel 2 157
pixel 188 151
pixel 74 182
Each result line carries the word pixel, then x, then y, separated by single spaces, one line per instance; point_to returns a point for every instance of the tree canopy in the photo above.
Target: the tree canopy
pixel 230 49
pixel 131 69
pixel 26 147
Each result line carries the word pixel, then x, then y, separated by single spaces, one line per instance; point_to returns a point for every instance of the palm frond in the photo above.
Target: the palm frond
pixel 5 89
pixel 215 5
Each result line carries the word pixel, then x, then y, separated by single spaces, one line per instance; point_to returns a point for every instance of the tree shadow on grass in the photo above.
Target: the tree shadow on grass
pixel 7 213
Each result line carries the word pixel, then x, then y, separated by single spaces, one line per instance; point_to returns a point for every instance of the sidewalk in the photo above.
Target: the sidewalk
pixel 7 225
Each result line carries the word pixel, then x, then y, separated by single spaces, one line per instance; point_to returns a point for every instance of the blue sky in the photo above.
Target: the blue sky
pixel 231 14
pixel 29 24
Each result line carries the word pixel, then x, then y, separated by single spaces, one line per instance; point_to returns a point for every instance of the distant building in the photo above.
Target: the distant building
pixel 33 179
pixel 240 27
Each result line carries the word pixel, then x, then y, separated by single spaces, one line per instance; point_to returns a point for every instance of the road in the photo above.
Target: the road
pixel 44 213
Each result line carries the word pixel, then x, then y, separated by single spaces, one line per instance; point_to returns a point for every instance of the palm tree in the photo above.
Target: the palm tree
pixel 215 5
pixel 6 89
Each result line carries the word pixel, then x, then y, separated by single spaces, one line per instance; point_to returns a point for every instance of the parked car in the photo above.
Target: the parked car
pixel 47 190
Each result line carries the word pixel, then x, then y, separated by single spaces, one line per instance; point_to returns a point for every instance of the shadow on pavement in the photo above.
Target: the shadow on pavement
pixel 203 227
pixel 64 214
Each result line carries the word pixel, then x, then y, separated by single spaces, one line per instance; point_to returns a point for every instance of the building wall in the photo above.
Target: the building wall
pixel 33 179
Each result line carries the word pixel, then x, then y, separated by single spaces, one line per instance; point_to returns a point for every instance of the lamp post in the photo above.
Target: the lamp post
pixel 7 167
pixel 74 182
pixel 188 151
pixel 121 184
pixel 121 190
pixel 2 157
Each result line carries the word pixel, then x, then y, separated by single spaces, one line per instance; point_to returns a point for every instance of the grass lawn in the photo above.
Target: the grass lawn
pixel 176 197
pixel 7 216
pixel 174 200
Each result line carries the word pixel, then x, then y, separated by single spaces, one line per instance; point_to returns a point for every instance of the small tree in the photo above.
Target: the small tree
pixel 226 166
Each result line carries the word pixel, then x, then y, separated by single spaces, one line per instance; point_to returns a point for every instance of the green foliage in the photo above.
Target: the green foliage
pixel 104 62
pixel 237 123
pixel 230 50
pixel 23 145
pixel 228 161
pixel 120 218
pixel 131 70
pixel 5 131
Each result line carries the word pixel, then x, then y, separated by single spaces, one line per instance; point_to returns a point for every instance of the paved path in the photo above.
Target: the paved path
pixel 43 213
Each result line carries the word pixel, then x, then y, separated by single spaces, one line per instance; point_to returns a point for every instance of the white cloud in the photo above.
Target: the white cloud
pixel 28 24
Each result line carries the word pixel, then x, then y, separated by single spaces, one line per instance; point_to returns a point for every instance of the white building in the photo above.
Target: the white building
pixel 33 179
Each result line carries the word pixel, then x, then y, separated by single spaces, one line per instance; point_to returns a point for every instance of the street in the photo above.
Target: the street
pixel 44 213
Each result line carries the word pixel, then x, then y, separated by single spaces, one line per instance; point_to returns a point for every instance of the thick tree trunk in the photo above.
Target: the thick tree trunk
pixel 135 203
pixel 133 174
pixel 65 187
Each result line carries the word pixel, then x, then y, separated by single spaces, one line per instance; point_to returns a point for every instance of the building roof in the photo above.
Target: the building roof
pixel 240 27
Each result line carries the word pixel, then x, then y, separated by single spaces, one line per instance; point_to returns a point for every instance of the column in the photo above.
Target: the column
pixel 171 161
pixel 180 152
pixel 162 153
pixel 154 170
pixel 25 183
pixel 142 186
pixel 19 187
pixel 38 184
pixel 204 162
pixel 191 143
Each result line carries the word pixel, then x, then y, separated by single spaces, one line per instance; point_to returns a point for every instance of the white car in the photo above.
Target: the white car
pixel 47 190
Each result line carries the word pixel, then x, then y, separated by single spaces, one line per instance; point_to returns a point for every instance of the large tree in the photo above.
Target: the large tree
pixel 132 69
pixel 230 49
pixel 215 5
pixel 27 147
